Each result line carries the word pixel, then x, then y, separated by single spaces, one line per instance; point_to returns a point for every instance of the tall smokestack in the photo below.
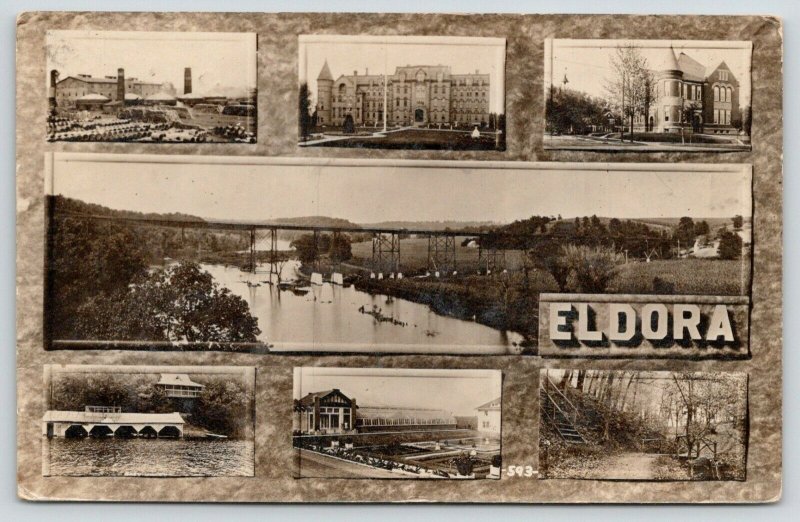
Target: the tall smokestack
pixel 187 80
pixel 121 84
pixel 53 89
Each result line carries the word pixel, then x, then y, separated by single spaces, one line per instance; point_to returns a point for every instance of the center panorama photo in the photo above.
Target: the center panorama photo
pixel 402 92
pixel 302 255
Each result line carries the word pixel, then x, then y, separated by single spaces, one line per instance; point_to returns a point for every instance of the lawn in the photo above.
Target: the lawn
pixel 427 139
pixel 659 141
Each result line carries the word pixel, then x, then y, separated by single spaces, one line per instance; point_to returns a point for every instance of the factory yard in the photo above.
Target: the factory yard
pixel 193 128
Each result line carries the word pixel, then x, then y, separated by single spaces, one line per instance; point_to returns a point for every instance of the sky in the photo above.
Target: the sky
pixel 456 391
pixel 219 61
pixel 376 193
pixel 345 57
pixel 587 63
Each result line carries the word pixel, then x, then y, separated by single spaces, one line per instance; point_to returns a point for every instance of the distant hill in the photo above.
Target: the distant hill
pixel 315 221
pixel 435 225
pixel 65 204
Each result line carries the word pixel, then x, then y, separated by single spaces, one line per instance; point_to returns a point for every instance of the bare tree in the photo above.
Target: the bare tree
pixel 631 87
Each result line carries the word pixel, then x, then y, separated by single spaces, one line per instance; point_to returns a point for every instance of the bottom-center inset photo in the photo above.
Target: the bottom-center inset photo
pixel 397 423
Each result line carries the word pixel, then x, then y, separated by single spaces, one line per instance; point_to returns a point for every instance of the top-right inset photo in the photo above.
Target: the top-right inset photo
pixel 647 95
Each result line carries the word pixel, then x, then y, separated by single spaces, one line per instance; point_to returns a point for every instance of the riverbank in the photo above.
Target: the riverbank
pixel 492 302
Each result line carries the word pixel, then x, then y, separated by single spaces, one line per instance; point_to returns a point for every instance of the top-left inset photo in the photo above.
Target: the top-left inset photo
pixel 151 87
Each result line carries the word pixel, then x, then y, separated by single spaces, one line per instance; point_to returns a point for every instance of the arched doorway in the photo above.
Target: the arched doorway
pixel 125 432
pixel 76 431
pixel 697 123
pixel 651 124
pixel 419 115
pixel 101 430
pixel 148 432
pixel 169 432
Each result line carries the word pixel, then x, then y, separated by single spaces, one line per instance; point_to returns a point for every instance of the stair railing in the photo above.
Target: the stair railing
pixel 574 412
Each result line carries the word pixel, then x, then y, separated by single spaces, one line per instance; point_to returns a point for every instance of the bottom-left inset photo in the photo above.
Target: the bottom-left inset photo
pixel 148 421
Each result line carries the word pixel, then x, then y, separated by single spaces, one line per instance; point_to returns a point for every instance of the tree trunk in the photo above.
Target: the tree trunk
pixel 581 379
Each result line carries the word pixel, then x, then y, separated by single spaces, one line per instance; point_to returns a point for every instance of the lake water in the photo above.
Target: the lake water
pixel 109 457
pixel 327 317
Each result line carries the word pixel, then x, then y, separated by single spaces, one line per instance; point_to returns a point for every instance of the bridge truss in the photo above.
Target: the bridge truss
pixel 442 253
pixel 491 260
pixel 386 253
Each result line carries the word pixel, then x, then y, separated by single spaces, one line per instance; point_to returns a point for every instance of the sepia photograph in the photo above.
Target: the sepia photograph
pixel 402 92
pixel 151 87
pixel 148 421
pixel 292 255
pixel 642 425
pixel 647 95
pixel 397 423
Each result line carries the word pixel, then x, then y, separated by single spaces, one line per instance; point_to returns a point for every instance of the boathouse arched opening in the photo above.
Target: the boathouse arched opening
pixel 125 432
pixel 101 430
pixel 169 432
pixel 75 431
pixel 148 432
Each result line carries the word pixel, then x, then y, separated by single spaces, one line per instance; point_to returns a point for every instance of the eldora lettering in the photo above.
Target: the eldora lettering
pixel 654 322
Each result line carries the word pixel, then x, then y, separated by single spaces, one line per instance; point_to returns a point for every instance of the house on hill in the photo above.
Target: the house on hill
pixel 489 417
pixel 179 386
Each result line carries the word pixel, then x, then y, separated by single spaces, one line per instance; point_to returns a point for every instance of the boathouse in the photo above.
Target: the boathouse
pixel 99 421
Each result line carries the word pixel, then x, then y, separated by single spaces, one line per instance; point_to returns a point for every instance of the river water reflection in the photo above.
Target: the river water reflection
pixel 331 317
pixel 112 456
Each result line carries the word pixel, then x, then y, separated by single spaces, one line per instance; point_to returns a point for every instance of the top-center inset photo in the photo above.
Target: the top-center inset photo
pixel 402 92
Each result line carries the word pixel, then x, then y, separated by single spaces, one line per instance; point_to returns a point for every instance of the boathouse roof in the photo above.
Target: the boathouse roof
pixel 85 417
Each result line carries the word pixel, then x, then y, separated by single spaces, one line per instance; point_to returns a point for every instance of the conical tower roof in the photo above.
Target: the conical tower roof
pixel 325 73
pixel 666 60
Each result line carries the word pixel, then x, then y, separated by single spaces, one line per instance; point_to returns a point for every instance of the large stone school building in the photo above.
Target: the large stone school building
pixel 415 95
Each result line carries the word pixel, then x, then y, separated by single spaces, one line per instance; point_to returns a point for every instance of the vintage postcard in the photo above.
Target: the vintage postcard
pixel 280 255
pixel 642 425
pixel 148 421
pixel 402 92
pixel 648 95
pixel 397 423
pixel 151 87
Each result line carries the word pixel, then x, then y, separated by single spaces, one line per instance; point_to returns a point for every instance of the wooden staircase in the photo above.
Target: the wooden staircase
pixel 559 412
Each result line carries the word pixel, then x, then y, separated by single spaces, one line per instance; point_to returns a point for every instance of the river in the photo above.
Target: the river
pixel 327 318
pixel 110 457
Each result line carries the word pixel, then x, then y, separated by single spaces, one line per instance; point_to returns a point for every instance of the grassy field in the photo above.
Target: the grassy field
pixel 427 139
pixel 684 276
pixel 414 256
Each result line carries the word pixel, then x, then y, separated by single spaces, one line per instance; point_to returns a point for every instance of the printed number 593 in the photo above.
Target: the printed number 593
pixel 520 471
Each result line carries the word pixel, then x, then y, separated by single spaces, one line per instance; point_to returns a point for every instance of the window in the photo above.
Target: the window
pixel 716 93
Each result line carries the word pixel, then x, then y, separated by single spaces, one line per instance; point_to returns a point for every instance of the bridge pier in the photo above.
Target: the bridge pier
pixel 441 254
pixel 491 260
pixel 252 261
pixel 385 253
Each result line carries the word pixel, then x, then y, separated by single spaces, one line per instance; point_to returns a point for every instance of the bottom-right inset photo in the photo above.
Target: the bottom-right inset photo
pixel 642 425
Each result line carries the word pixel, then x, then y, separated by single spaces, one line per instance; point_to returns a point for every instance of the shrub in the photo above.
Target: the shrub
pixel 590 270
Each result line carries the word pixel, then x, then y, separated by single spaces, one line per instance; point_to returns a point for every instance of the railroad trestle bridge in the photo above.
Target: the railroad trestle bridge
pixel 386 258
